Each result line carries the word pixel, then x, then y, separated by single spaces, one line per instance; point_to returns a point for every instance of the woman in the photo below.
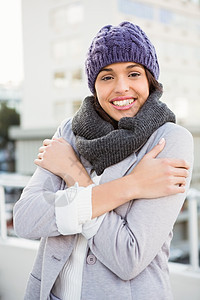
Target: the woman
pixel 111 182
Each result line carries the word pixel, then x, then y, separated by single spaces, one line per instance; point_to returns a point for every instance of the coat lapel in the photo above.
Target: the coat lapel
pixel 57 251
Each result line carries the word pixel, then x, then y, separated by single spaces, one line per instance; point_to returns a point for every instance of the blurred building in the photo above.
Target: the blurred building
pixel 11 94
pixel 56 36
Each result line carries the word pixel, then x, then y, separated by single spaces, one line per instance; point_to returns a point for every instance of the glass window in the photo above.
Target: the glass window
pixel 166 16
pixel 138 9
pixel 195 1
pixel 62 17
pixel 75 13
pixel 60 79
pixel 75 47
pixel 60 50
pixel 77 75
pixel 65 50
pixel 58 19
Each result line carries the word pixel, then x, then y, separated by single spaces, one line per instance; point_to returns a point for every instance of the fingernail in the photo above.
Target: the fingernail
pixel 161 141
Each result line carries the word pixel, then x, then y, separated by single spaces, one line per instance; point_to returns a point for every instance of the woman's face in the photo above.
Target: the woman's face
pixel 122 89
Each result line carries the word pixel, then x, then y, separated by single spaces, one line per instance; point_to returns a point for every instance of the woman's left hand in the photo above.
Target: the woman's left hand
pixel 57 156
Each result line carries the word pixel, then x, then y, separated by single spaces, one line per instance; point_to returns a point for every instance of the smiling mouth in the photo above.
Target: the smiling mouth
pixel 123 104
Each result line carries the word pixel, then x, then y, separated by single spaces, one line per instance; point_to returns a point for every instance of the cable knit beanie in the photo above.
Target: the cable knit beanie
pixel 123 43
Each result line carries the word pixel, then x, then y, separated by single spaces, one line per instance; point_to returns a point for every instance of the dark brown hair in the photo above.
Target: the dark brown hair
pixel 153 86
pixel 153 83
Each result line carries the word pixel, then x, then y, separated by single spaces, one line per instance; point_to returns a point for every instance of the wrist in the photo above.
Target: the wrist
pixel 109 195
pixel 132 189
pixel 77 174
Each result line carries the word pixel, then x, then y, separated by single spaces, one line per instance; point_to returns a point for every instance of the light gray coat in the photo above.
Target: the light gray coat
pixel 131 245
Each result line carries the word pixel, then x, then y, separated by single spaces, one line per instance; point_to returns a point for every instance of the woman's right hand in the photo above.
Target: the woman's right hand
pixel 158 177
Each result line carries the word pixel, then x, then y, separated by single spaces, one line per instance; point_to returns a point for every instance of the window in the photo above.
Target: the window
pixel 75 48
pixel 77 75
pixel 166 16
pixel 65 50
pixel 138 9
pixel 61 18
pixel 60 79
pixel 58 19
pixel 60 51
pixel 75 13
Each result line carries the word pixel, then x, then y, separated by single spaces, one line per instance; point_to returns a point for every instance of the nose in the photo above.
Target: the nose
pixel 122 85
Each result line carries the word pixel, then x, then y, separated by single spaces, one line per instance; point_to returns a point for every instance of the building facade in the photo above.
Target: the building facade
pixel 11 94
pixel 56 36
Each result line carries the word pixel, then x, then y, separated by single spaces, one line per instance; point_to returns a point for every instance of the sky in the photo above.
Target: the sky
pixel 11 62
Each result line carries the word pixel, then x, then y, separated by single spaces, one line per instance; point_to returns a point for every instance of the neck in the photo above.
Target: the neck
pixel 101 112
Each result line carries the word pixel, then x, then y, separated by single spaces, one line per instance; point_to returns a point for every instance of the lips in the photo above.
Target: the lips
pixel 122 103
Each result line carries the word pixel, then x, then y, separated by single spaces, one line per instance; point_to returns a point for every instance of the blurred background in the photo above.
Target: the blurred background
pixel 42 82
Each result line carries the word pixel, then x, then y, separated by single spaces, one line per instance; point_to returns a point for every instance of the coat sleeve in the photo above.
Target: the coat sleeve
pixel 45 209
pixel 34 212
pixel 132 243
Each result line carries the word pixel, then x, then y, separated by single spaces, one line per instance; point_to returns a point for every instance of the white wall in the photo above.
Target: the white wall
pixel 36 105
pixel 16 261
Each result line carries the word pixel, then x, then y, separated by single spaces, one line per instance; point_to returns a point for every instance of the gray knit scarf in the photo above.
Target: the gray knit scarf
pixel 102 145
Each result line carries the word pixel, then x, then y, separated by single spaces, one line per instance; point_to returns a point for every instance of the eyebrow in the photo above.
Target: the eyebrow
pixel 128 67
pixel 106 70
pixel 134 65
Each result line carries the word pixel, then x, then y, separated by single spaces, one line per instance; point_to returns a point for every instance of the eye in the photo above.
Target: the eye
pixel 106 78
pixel 134 74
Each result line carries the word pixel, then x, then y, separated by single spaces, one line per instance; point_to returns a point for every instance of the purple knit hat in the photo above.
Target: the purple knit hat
pixel 123 43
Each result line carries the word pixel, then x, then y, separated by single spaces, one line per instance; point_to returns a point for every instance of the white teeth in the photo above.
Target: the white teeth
pixel 123 102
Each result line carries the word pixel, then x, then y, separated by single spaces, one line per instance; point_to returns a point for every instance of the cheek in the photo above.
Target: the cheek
pixel 101 95
pixel 145 91
pixel 103 104
pixel 146 95
pixel 98 93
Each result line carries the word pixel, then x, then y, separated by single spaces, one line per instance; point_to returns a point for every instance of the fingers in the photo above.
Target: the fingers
pixel 175 185
pixel 179 188
pixel 178 163
pixel 47 142
pixel 156 149
pixel 40 155
pixel 180 172
pixel 60 139
pixel 37 162
pixel 180 181
pixel 42 149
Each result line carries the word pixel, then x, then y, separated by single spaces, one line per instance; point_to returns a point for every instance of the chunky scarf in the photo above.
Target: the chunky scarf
pixel 102 145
